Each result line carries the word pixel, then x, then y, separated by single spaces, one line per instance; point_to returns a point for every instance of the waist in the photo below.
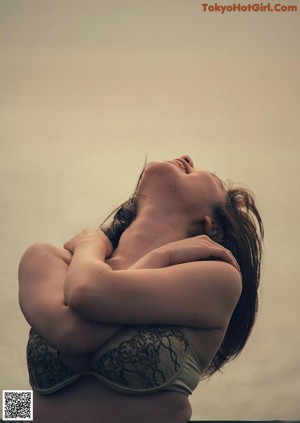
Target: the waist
pixel 89 400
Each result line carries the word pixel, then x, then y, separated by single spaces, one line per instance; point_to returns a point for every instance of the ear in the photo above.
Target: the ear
pixel 207 225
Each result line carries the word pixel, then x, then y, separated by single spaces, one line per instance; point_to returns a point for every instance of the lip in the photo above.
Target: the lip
pixel 185 165
pixel 181 164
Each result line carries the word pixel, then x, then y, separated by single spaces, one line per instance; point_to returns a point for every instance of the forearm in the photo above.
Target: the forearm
pixel 85 260
pixel 87 265
pixel 93 334
pixel 88 262
pixel 156 259
pixel 89 278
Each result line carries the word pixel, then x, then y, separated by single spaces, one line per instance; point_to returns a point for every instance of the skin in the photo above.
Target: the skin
pixel 80 296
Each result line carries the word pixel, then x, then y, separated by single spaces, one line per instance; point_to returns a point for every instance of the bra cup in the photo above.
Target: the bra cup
pixel 45 369
pixel 136 360
pixel 141 357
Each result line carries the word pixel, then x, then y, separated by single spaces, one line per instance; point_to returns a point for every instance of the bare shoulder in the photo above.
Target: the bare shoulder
pixel 41 260
pixel 217 286
pixel 38 252
pixel 225 288
pixel 219 277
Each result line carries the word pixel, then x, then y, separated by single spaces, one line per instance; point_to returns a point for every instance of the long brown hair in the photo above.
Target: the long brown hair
pixel 239 228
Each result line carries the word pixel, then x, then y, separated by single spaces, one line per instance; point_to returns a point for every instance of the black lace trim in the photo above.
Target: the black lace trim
pixel 150 357
pixel 44 367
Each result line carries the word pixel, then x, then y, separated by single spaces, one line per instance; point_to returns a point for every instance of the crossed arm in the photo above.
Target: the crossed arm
pixel 42 272
pixel 66 294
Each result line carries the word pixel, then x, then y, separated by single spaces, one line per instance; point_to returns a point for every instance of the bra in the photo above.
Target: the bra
pixel 136 360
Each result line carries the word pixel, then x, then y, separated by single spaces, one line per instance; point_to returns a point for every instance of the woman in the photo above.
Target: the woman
pixel 127 319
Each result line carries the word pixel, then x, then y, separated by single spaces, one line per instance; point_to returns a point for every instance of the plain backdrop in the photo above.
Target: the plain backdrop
pixel 90 88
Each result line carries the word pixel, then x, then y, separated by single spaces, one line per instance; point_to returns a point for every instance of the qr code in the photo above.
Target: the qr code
pixel 17 405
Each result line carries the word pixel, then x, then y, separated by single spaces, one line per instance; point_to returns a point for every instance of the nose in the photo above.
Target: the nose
pixel 188 160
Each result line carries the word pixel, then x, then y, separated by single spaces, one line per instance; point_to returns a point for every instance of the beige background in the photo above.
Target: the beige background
pixel 88 88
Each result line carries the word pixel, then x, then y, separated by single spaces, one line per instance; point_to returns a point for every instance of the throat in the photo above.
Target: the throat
pixel 142 237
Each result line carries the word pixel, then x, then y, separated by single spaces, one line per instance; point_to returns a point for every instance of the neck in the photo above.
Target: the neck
pixel 151 229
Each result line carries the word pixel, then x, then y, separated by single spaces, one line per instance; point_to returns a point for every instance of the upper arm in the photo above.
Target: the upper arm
pixel 200 294
pixel 42 273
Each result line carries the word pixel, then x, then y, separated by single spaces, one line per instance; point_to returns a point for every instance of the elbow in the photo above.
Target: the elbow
pixel 75 290
pixel 85 300
pixel 76 297
pixel 89 297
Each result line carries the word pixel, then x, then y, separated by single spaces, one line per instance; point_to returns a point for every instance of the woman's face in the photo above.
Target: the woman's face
pixel 177 185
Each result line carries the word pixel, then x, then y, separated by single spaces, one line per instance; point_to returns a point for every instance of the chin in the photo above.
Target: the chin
pixel 159 174
pixel 162 168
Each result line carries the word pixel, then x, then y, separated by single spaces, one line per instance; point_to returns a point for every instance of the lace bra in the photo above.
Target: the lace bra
pixel 136 360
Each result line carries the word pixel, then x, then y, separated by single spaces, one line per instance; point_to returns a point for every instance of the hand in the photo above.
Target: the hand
pixel 196 248
pixel 88 237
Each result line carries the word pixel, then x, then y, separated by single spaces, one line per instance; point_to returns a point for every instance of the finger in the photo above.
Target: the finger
pixel 221 251
pixel 226 256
